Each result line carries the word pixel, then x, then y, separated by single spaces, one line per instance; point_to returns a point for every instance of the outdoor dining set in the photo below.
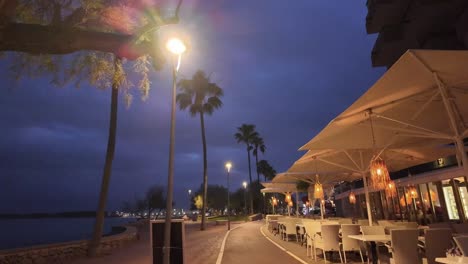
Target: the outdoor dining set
pixel 405 242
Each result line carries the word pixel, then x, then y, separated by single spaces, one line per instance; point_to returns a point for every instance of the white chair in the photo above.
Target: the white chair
pixel 300 233
pixel 349 244
pixel 289 228
pixel 436 243
pixel 440 225
pixel 407 224
pixel 404 246
pixel 345 221
pixel 311 228
pixel 462 243
pixel 373 230
pixel 363 222
pixel 328 240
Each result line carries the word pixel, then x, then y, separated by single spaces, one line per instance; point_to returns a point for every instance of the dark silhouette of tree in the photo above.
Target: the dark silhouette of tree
pixel 258 145
pixel 216 197
pixel 266 170
pixel 155 199
pixel 201 97
pixel 246 134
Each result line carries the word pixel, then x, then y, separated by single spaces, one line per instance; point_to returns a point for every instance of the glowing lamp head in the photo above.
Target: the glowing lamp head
pixel 176 46
pixel 275 202
pixel 290 204
pixel 352 198
pixel 379 171
pixel 244 184
pixel 228 166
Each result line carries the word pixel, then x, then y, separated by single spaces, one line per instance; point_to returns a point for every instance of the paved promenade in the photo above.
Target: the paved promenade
pixel 202 247
pixel 246 244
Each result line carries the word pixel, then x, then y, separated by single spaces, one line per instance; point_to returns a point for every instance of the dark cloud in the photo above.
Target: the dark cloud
pixel 288 67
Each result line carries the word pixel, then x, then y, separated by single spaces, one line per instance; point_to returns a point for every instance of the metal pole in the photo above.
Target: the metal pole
pixel 321 208
pixel 245 201
pixel 431 202
pixel 170 175
pixel 297 204
pixel 423 207
pixel 366 191
pixel 229 203
pixel 399 205
pixel 406 203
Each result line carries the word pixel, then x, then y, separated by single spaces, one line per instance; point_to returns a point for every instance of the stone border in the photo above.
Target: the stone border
pixel 64 252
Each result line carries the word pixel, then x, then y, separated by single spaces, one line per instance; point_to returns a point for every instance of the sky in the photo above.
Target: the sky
pixel 288 67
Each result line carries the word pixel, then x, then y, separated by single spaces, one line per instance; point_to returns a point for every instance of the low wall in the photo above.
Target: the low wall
pixel 64 252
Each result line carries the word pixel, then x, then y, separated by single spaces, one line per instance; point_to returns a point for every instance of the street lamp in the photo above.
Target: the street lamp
pixel 245 196
pixel 190 197
pixel 228 168
pixel 176 47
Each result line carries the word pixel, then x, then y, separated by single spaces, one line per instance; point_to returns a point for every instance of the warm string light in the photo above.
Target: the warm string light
pixel 412 192
pixel 390 189
pixel 318 189
pixel 352 198
pixel 380 177
pixel 378 169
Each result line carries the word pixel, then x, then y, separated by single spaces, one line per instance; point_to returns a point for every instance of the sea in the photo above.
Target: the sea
pixel 16 233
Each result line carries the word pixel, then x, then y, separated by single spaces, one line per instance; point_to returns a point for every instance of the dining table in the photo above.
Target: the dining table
pixel 372 239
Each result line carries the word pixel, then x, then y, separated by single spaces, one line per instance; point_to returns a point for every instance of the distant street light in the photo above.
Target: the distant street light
pixel 190 197
pixel 176 47
pixel 228 168
pixel 245 196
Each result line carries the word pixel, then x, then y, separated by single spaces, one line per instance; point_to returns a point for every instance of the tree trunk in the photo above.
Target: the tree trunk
pixel 256 166
pixel 95 243
pixel 250 178
pixel 205 172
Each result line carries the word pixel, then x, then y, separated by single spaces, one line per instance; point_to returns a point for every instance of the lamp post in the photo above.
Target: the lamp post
pixel 245 196
pixel 176 47
pixel 190 197
pixel 228 168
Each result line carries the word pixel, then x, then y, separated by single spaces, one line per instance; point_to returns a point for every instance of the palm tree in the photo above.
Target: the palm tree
pixel 95 243
pixel 202 97
pixel 246 134
pixel 258 144
pixel 266 170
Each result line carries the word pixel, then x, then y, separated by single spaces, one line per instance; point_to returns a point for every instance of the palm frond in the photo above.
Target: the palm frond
pixel 195 109
pixel 184 100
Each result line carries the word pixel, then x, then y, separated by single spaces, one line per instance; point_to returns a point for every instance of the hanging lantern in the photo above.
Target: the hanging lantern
pixel 390 189
pixel 352 198
pixel 379 174
pixel 318 189
pixel 288 198
pixel 412 192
